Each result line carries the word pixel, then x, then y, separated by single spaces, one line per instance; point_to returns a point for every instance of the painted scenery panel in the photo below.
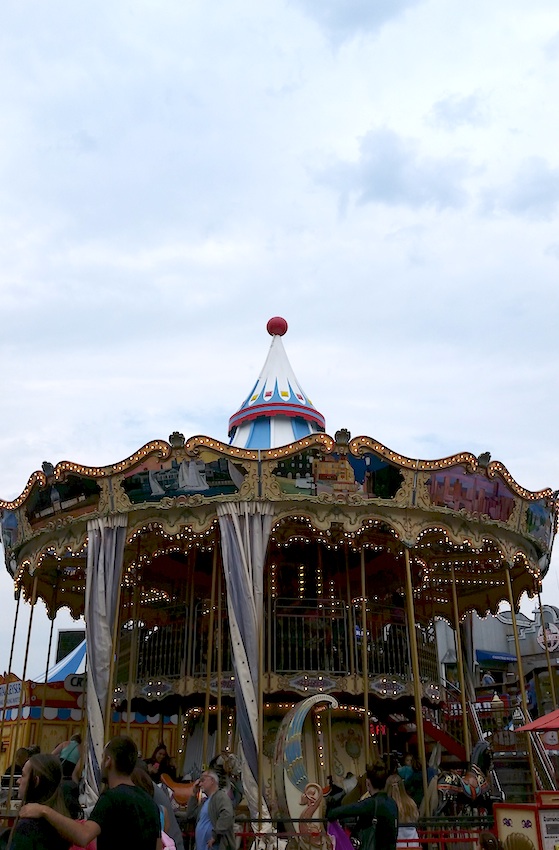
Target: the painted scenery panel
pixel 75 495
pixel 314 473
pixel 10 529
pixel 458 490
pixel 539 522
pixel 153 480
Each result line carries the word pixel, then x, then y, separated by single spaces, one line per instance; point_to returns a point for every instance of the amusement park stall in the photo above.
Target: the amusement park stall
pixel 222 584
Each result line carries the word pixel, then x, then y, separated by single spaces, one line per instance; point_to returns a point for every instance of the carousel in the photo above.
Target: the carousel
pixel 275 597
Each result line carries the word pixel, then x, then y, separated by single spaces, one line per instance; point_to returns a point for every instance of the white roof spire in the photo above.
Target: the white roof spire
pixel 276 411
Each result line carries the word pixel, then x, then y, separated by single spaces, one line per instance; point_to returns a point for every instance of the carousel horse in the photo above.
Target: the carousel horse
pixel 353 788
pixel 181 792
pixel 228 767
pixel 472 790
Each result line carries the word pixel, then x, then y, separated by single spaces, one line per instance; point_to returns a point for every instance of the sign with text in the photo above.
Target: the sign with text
pixel 14 693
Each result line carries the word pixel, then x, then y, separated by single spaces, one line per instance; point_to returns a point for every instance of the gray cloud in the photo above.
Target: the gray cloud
pixel 533 192
pixel 392 171
pixel 456 111
pixel 344 20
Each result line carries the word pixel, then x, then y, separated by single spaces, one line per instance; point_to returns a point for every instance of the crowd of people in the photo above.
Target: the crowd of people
pixel 389 810
pixel 132 810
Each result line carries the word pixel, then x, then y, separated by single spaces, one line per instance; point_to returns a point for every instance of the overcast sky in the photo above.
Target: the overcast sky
pixel 382 173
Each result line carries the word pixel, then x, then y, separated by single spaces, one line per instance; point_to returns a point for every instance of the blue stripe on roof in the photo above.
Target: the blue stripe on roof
pixel 260 435
pixel 300 428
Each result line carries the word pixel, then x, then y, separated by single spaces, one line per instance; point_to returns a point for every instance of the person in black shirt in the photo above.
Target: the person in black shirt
pixel 124 815
pixel 379 806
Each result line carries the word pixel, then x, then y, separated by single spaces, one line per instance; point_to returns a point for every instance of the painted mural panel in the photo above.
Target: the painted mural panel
pixel 10 529
pixel 314 472
pixel 456 489
pixel 153 480
pixel 75 495
pixel 539 522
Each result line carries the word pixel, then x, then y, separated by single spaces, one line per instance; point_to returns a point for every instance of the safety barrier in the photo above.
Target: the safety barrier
pixel 434 834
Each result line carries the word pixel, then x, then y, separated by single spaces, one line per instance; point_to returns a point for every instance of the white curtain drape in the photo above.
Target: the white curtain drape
pixel 245 528
pixel 105 554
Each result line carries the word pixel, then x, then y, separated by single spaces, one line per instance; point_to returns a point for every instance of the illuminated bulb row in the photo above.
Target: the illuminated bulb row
pixel 273 580
pixel 319 740
pixel 154 527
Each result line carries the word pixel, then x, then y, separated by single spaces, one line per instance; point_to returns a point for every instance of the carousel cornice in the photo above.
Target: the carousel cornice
pixel 193 447
pixel 355 494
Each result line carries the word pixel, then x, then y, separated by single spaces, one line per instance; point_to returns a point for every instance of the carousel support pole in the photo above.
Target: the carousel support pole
pixel 521 682
pixel 191 619
pixel 130 609
pixel 23 675
pixel 112 667
pixel 460 666
pixel 209 660
pixel 416 673
pixel 330 744
pixel 387 738
pixel 44 700
pixel 260 742
pixel 5 703
pixel 219 662
pixel 188 626
pixel 269 636
pixel 364 655
pixel 187 631
pixel 547 655
pixel 133 659
pixel 352 647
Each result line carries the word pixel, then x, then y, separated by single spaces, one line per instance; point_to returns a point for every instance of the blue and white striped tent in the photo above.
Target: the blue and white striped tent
pixel 73 663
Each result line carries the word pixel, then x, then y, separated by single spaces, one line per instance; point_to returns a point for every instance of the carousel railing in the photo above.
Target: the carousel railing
pixel 319 635
pixel 388 649
pixel 543 765
pixel 209 652
pixel 387 640
pixel 160 651
pixel 157 649
pixel 310 634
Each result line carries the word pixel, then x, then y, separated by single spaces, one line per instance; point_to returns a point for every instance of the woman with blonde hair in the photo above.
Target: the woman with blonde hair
pixel 408 813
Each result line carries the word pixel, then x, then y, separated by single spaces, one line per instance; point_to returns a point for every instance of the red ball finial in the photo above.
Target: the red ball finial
pixel 277 326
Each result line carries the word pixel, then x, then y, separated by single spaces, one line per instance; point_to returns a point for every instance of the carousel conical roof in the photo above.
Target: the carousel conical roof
pixel 276 412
